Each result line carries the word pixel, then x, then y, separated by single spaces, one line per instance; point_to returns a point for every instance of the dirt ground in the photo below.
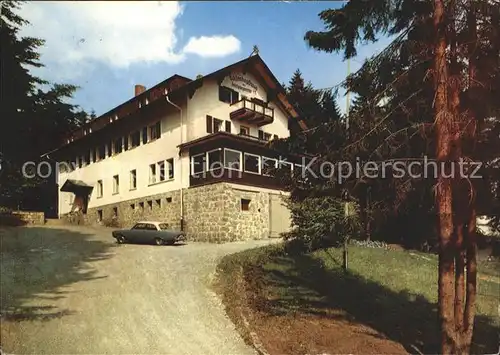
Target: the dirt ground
pixel 73 291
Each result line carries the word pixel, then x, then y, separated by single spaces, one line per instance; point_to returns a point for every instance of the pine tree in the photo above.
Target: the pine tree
pixel 456 44
pixel 32 120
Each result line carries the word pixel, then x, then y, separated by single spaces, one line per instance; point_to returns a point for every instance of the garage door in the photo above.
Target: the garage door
pixel 279 216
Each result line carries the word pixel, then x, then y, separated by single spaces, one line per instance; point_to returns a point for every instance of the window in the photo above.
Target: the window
pixel 94 155
pixel 197 164
pixel 133 179
pixel 158 203
pixel 83 162
pixel 132 206
pixel 141 206
pixel 116 184
pixel 150 204
pixel 150 227
pixel 118 145
pixel 125 143
pixel 169 199
pixel 267 165
pixel 99 188
pixel 110 150
pixel 214 159
pixel 228 126
pixel 228 95
pixel 244 130
pixel 99 215
pixel 152 173
pixel 155 130
pixel 217 125
pixel 245 204
pixel 115 212
pixel 267 136
pixel 251 163
pixel 144 135
pixel 275 136
pixel 232 159
pixel 261 134
pixel 135 139
pixel 163 226
pixel 170 168
pixel 214 125
pixel 139 226
pixel 102 151
pixel 161 169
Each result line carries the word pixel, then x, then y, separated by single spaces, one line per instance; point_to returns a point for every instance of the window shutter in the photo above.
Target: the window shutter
pixel 261 134
pixel 228 126
pixel 209 124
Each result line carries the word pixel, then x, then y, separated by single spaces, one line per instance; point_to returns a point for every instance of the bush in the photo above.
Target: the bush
pixel 321 222
pixel 5 210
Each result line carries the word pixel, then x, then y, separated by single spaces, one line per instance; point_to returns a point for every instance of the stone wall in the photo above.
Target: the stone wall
pixel 161 207
pixel 16 218
pixel 212 213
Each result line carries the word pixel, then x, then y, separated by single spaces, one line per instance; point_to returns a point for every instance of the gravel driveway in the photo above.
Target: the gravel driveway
pixel 72 290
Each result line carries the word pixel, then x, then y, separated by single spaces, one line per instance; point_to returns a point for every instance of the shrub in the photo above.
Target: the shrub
pixel 321 222
pixel 5 210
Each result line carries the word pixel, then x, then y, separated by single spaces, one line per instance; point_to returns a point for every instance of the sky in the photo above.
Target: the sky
pixel 106 48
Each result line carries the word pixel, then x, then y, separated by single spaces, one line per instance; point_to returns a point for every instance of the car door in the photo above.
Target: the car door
pixel 136 233
pixel 150 232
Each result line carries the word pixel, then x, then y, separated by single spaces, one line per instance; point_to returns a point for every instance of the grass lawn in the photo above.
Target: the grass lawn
pixel 386 303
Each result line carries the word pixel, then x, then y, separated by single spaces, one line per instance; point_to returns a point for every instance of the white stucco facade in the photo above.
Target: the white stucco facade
pixel 205 101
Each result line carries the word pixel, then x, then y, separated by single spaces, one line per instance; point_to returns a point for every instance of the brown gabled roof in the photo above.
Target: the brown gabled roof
pixel 176 84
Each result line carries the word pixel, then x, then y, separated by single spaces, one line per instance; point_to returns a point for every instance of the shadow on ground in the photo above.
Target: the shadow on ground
pixel 36 262
pixel 409 319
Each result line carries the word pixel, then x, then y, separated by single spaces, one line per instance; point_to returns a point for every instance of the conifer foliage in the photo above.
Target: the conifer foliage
pixel 33 119
pixel 431 94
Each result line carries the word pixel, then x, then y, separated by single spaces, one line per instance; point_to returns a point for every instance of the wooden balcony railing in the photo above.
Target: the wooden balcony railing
pixel 252 113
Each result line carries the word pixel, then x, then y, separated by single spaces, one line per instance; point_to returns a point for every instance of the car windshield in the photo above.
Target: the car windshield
pixel 163 226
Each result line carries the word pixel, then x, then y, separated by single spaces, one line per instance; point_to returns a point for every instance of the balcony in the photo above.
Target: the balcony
pixel 252 113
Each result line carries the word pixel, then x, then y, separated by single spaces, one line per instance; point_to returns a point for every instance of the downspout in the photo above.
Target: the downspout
pixel 180 170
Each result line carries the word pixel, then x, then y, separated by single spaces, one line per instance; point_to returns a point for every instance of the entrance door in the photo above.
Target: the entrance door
pixel 279 217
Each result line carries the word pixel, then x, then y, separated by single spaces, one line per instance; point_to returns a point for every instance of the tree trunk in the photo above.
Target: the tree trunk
pixel 444 137
pixel 471 242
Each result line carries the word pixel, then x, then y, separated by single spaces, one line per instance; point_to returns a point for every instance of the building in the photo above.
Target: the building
pixel 192 153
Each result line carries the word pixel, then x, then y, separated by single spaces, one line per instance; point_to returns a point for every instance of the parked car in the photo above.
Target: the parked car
pixel 158 233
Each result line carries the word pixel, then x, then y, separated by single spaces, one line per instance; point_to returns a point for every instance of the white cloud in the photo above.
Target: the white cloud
pixel 216 46
pixel 114 33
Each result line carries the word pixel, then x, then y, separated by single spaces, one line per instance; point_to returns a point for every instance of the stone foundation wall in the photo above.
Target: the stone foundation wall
pixel 212 213
pixel 161 207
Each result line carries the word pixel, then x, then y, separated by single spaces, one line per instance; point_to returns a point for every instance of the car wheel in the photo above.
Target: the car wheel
pixel 120 239
pixel 159 241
